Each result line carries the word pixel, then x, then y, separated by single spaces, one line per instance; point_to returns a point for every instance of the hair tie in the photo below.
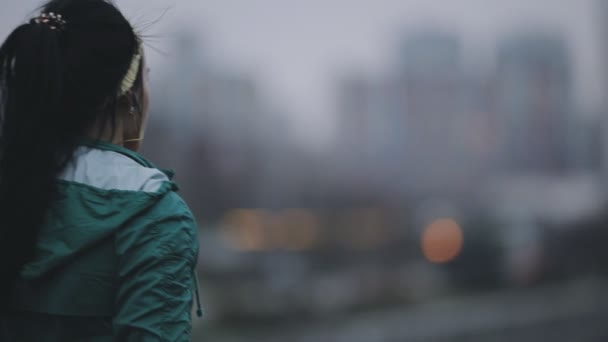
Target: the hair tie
pixel 52 20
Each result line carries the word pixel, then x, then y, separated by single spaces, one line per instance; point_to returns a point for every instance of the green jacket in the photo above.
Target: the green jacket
pixel 116 259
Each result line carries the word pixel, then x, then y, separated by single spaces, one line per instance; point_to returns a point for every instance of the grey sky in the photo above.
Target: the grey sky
pixel 297 48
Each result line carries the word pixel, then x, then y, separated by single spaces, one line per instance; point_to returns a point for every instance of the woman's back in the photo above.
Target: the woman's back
pixel 95 243
pixel 115 259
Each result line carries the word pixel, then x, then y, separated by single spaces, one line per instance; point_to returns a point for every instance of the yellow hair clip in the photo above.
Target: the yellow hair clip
pixel 129 79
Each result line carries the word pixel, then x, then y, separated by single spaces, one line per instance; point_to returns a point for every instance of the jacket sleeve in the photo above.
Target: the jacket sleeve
pixel 156 260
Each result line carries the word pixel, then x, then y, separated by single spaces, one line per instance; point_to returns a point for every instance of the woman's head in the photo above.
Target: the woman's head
pixel 75 71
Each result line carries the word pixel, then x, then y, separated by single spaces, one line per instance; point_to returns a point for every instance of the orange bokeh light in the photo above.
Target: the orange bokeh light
pixel 442 241
pixel 303 229
pixel 244 229
pixel 256 230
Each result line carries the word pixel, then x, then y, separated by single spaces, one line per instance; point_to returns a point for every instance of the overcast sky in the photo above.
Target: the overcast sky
pixel 297 48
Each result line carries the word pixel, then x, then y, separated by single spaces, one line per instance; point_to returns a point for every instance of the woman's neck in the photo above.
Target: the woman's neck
pixel 107 132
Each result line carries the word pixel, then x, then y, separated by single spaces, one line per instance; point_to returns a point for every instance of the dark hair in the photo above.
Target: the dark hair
pixel 56 84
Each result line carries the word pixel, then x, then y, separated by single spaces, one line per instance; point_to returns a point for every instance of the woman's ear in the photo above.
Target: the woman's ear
pixel 134 102
pixel 123 103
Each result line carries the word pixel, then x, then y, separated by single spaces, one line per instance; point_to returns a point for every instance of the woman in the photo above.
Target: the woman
pixel 95 244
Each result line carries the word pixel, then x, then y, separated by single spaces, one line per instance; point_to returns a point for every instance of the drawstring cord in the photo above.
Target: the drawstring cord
pixel 199 310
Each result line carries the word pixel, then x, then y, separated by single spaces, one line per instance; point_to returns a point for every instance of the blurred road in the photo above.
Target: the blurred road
pixel 574 311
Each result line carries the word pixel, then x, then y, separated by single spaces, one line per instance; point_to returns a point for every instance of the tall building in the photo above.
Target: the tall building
pixel 423 128
pixel 534 102
pixel 602 20
pixel 368 136
pixel 431 96
pixel 430 54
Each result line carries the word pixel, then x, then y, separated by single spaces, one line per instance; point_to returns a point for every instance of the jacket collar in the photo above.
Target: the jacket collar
pixel 107 146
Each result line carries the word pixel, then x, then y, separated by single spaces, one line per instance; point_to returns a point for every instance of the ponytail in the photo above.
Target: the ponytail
pixel 31 92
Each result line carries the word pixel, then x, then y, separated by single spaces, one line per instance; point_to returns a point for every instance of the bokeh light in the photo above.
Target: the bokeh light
pixel 255 230
pixel 303 229
pixel 442 240
pixel 244 229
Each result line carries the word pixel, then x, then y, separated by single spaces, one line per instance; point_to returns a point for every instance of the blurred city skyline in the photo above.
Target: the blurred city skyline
pixel 296 53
